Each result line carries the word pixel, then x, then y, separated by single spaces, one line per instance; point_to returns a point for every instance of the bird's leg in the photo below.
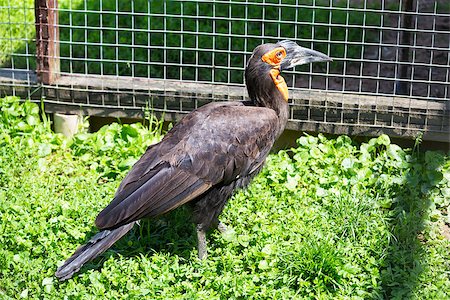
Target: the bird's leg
pixel 222 227
pixel 201 236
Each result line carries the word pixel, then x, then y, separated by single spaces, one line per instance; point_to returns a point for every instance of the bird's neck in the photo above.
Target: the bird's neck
pixel 283 115
pixel 278 104
pixel 281 107
pixel 264 93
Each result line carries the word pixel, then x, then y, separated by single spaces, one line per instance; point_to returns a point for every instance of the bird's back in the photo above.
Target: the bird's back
pixel 215 144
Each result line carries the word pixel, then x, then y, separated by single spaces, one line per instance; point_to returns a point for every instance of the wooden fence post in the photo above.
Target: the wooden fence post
pixel 47 40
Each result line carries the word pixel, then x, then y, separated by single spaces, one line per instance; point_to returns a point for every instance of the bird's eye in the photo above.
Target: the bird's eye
pixel 279 54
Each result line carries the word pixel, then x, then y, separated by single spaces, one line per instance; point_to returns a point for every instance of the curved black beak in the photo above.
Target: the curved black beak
pixel 296 55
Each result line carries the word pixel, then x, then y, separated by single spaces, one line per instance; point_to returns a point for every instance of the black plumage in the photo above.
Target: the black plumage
pixel 203 159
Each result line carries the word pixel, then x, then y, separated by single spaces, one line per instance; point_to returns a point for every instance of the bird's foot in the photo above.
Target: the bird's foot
pixel 222 228
pixel 227 232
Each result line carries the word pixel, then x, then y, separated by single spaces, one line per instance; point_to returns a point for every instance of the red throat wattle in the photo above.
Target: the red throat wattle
pixel 280 83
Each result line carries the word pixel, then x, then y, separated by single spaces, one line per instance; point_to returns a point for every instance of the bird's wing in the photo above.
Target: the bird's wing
pixel 216 143
pixel 154 153
pixel 162 189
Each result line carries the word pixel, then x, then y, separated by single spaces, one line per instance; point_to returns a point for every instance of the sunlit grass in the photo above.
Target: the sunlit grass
pixel 329 219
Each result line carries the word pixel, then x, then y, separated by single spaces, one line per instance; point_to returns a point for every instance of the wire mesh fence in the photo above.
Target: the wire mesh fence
pixel 17 47
pixel 391 69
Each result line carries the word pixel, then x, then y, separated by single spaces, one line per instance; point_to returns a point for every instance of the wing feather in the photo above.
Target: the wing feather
pixel 160 191
pixel 194 156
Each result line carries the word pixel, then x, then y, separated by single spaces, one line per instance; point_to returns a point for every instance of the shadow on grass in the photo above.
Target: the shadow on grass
pixel 405 258
pixel 173 233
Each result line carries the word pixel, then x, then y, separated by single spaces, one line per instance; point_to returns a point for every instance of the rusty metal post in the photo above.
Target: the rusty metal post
pixel 47 40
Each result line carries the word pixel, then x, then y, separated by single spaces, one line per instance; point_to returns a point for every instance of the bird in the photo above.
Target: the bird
pixel 209 154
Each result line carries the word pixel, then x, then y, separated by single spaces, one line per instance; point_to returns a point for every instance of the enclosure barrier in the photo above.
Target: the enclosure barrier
pixel 390 72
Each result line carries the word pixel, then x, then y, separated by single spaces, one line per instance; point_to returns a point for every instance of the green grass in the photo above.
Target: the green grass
pixel 106 57
pixel 330 219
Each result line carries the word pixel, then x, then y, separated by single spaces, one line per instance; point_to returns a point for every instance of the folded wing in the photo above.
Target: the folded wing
pixel 162 189
pixel 217 143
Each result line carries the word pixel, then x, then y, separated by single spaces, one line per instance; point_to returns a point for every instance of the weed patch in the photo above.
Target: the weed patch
pixel 328 219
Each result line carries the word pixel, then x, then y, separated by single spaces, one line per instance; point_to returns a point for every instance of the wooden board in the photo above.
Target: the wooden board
pixel 317 111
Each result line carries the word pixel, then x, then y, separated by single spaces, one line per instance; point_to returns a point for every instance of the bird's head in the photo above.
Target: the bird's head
pixel 262 74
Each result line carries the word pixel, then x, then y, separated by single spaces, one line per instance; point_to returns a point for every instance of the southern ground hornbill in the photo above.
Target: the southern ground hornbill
pixel 203 159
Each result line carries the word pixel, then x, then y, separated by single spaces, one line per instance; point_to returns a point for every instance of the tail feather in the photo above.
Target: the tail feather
pixel 96 246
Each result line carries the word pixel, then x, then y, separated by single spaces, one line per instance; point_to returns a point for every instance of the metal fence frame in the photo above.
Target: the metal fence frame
pixel 377 92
